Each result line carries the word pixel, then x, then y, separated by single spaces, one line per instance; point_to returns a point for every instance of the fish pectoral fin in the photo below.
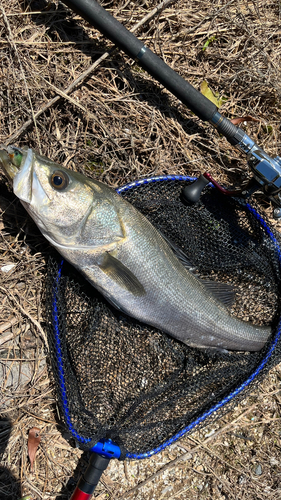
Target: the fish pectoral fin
pixel 223 292
pixel 119 273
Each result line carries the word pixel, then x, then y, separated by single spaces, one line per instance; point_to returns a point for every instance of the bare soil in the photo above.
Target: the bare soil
pixel 102 115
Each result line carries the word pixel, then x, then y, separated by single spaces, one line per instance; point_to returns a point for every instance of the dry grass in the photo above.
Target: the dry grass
pixel 109 119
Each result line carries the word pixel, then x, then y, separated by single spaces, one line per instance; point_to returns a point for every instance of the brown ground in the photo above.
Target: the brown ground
pixel 108 118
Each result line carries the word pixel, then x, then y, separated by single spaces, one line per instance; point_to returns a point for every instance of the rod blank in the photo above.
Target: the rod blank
pixel 96 15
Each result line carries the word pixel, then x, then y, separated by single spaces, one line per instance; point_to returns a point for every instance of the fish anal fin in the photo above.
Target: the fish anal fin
pixel 223 292
pixel 119 273
pixel 207 349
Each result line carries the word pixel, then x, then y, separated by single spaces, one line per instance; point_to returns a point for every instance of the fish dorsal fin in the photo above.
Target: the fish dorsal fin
pixel 223 292
pixel 119 273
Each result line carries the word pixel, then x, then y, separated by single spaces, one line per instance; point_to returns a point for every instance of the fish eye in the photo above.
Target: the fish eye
pixel 59 180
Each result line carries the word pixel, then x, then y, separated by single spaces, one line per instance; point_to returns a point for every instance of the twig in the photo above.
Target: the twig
pixel 211 452
pixel 34 321
pixel 5 326
pixel 88 114
pixel 15 135
pixel 126 471
pixel 10 38
pixel 50 103
pixel 65 95
pixel 209 17
pixel 221 480
pixel 151 14
pixel 5 338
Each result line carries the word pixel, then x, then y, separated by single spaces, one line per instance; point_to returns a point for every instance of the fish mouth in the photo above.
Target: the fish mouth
pixel 17 164
pixel 6 162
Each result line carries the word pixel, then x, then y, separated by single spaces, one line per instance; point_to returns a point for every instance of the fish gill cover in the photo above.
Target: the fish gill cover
pixel 129 382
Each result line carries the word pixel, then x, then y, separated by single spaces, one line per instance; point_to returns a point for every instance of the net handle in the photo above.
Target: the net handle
pixel 89 480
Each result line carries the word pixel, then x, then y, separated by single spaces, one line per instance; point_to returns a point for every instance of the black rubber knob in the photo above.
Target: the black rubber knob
pixel 192 192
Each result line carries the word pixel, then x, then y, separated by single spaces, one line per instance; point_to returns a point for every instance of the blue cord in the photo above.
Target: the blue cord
pixel 60 360
pixel 150 180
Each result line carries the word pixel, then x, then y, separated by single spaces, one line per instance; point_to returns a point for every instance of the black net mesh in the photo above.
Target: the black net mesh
pixel 121 379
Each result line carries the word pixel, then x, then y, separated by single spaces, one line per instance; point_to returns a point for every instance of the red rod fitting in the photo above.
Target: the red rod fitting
pixel 228 192
pixel 80 495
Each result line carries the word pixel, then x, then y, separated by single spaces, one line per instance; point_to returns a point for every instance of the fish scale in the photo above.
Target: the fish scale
pixel 122 254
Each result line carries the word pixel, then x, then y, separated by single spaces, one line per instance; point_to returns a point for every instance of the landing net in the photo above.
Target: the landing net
pixel 122 380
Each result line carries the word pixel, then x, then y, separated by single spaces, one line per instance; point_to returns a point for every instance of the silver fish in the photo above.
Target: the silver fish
pixel 121 254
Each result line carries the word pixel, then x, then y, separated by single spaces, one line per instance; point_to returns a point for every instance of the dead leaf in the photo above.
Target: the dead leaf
pixel 34 439
pixel 236 121
pixel 206 91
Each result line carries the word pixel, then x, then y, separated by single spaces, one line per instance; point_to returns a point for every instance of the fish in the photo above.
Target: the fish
pixel 116 248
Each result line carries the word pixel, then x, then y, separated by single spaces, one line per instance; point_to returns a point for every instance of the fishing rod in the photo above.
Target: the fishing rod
pixel 266 170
